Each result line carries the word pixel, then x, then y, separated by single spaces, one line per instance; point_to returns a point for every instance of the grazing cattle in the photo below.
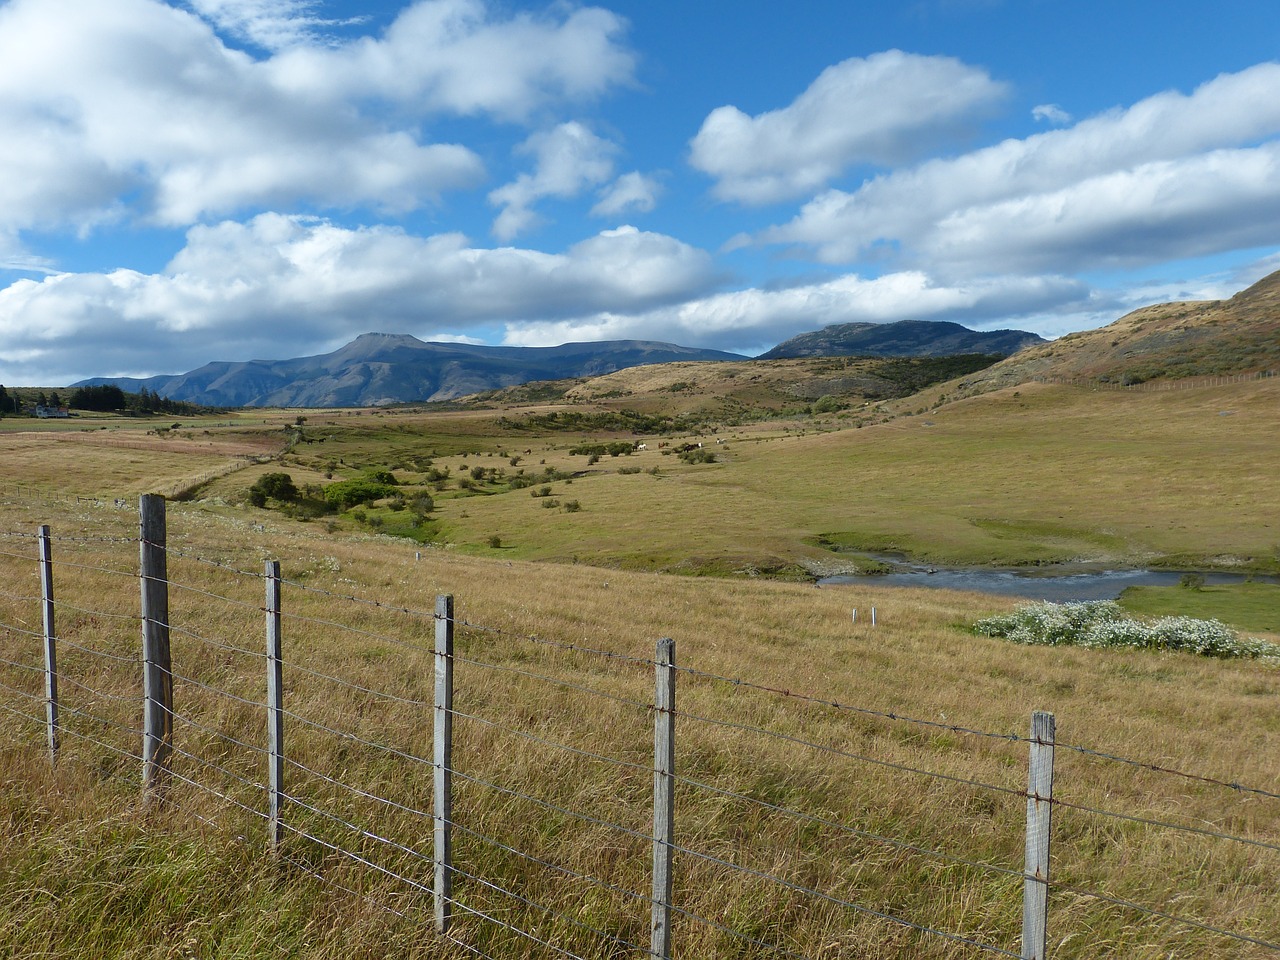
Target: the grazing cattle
pixel 642 446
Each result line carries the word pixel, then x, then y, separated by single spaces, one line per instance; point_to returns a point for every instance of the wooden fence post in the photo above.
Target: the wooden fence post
pixel 1035 885
pixel 50 643
pixel 275 708
pixel 664 771
pixel 443 761
pixel 157 668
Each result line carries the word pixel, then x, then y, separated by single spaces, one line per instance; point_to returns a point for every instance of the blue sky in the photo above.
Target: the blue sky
pixel 259 179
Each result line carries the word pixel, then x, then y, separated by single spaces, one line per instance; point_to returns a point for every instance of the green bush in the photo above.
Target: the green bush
pixel 275 486
pixel 347 493
pixel 698 455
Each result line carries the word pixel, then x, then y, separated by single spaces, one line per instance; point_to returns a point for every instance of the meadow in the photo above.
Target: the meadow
pixel 1025 476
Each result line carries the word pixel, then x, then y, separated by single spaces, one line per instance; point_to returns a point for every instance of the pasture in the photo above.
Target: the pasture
pixel 1023 476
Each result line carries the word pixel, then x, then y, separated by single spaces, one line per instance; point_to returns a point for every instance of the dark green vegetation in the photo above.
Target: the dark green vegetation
pixel 630 421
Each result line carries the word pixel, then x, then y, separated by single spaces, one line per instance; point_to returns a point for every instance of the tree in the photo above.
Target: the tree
pixel 6 402
pixel 102 399
pixel 277 486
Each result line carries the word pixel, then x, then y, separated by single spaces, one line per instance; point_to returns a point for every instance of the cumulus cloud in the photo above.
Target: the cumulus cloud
pixel 567 161
pixel 883 109
pixel 460 56
pixel 1173 175
pixel 279 285
pixel 631 191
pixel 137 110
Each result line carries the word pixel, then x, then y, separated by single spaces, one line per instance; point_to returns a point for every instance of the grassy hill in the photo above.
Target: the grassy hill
pixel 1168 341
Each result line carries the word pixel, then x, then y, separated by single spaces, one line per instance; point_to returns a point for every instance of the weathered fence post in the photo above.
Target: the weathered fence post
pixel 664 771
pixel 275 708
pixel 157 668
pixel 444 764
pixel 50 643
pixel 1035 885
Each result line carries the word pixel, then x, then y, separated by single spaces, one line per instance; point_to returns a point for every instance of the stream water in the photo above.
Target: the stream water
pixel 1043 583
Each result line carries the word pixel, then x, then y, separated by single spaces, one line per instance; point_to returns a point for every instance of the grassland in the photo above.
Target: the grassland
pixel 1025 476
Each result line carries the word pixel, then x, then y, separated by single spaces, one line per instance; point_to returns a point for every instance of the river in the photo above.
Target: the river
pixel 1041 583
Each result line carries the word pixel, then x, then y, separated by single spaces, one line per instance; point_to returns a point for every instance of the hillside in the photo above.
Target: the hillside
pixel 745 390
pixel 379 368
pixel 1167 341
pixel 906 338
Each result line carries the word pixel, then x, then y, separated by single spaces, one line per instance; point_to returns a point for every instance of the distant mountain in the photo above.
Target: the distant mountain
pixel 381 368
pixel 906 338
pixel 1167 341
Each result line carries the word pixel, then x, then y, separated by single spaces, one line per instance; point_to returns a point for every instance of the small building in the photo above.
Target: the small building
pixel 44 412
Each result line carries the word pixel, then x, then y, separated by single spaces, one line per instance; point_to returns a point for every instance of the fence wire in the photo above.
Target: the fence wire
pixel 343 798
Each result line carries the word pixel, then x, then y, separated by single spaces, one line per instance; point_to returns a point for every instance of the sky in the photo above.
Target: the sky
pixel 229 180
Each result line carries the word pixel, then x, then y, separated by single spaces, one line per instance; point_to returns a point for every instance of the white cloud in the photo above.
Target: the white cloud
pixel 134 99
pixel 567 161
pixel 883 109
pixel 136 110
pixel 752 319
pixel 459 56
pixel 1051 113
pixel 1173 175
pixel 271 24
pixel 278 286
pixel 631 191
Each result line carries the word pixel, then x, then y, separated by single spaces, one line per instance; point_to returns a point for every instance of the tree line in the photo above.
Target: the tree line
pixel 102 399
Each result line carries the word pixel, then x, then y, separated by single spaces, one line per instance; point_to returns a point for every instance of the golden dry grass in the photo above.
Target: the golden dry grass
pixel 772 783
pixel 1206 717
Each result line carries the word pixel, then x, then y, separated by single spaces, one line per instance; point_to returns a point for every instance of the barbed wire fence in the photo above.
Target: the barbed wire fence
pixel 524 796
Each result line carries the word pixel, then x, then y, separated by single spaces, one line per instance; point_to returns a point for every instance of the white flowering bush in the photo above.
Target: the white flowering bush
pixel 1102 624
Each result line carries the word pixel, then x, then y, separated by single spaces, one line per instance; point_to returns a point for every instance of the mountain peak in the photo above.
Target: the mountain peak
pixel 905 338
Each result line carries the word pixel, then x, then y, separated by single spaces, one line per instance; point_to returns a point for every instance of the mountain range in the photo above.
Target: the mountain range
pixel 383 368
pixel 380 368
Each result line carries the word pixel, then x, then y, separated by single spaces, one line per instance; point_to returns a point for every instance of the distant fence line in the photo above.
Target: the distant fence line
pixel 162 759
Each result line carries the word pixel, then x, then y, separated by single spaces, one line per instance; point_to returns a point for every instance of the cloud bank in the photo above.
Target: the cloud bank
pixel 1172 176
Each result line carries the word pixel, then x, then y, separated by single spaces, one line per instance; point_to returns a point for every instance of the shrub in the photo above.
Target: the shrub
pixel 495 541
pixel 572 506
pixel 347 493
pixel 276 486
pixel 1102 624
pixel 698 455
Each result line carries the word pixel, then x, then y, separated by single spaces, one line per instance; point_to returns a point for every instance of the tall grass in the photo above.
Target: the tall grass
pixel 90 872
